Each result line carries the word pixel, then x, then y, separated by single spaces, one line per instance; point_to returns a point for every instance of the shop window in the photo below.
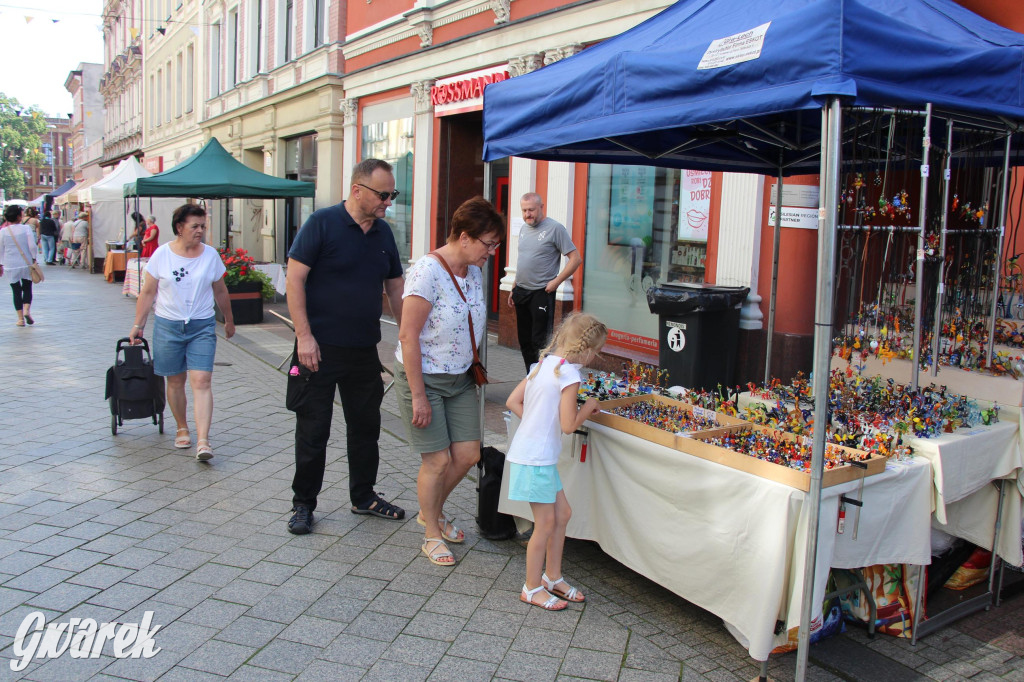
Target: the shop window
pixel 392 140
pixel 300 163
pixel 645 226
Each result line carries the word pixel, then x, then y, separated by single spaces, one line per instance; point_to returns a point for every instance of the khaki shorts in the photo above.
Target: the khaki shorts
pixel 454 410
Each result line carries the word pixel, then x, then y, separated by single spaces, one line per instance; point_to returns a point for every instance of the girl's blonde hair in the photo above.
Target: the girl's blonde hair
pixel 578 333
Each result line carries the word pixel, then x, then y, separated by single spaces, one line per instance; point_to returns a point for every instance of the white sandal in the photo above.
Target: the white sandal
pixel 435 555
pixel 457 536
pixel 571 594
pixel 553 603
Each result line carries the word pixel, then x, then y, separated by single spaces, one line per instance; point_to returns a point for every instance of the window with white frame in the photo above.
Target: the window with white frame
pixel 232 76
pixel 215 59
pixel 254 44
pixel 190 64
pixel 158 109
pixel 179 84
pixel 169 93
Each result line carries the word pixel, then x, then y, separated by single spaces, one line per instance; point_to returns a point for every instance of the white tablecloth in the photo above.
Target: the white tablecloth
pixel 963 464
pixel 276 273
pixel 731 542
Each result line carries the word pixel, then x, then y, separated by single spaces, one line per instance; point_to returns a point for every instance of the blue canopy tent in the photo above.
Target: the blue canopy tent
pixel 731 85
pixel 642 96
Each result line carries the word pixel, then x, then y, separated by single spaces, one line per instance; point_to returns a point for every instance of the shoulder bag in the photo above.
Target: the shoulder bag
pixel 35 271
pixel 477 370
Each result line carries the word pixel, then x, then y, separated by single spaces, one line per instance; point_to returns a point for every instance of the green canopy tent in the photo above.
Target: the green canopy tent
pixel 213 173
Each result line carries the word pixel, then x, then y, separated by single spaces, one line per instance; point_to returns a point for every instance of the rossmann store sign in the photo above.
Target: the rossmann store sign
pixel 465 92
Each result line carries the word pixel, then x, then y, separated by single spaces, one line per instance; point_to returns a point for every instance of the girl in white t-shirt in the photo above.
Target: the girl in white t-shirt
pixel 546 403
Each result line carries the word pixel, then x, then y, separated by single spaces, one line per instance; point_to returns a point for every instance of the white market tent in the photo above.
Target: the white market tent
pixel 111 214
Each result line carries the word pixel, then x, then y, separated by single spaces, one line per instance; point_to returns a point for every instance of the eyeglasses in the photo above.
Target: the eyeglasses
pixel 384 196
pixel 491 246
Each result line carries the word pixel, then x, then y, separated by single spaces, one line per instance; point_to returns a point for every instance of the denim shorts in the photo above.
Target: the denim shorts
pixel 454 410
pixel 532 483
pixel 180 346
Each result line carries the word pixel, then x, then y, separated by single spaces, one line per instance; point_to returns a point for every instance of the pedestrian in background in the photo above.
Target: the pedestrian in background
pixel 342 259
pixel 64 244
pixel 17 253
pixel 151 237
pixel 444 314
pixel 32 220
pixel 49 228
pixel 184 278
pixel 80 240
pixel 542 243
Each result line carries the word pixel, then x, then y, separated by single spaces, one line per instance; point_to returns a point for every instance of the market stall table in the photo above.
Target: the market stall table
pixel 728 541
pixel 116 261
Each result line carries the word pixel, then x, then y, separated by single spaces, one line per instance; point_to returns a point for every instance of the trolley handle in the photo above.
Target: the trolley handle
pixel 125 342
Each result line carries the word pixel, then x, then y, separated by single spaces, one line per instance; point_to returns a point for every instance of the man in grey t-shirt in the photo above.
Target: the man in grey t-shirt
pixel 542 243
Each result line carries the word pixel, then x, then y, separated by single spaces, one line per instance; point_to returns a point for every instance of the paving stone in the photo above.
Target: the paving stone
pixel 435 626
pixel 220 658
pixel 380 626
pixel 528 667
pixel 156 576
pixel 385 670
pixel 38 579
pixel 593 665
pixel 252 673
pixel 286 656
pixel 480 647
pixel 214 613
pixel 455 669
pixel 397 603
pixel 243 591
pixel 144 669
pixel 62 597
pixel 416 650
pixel 328 671
pixel 122 596
pixel 353 650
pixel 319 632
pixel 334 607
pixel 278 607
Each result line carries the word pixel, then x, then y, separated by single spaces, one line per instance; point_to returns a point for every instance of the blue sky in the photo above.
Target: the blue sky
pixel 38 54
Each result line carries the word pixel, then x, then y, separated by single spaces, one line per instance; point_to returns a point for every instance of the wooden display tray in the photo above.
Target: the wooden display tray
pixel 651 433
pixel 775 472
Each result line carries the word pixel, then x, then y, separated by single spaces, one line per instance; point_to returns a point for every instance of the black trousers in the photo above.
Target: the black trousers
pixel 535 316
pixel 355 372
pixel 22 293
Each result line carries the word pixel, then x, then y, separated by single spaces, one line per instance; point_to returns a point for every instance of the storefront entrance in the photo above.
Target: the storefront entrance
pixel 461 176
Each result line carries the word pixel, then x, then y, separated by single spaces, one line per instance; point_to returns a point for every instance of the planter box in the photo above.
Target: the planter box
pixel 246 303
pixel 650 433
pixel 697 447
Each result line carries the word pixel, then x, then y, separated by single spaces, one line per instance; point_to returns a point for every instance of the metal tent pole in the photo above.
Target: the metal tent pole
pixel 487 301
pixel 940 290
pixel 926 144
pixel 1003 198
pixel 831 151
pixel 775 275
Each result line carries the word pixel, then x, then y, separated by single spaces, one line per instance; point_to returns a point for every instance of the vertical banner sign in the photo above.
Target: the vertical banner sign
pixel 694 205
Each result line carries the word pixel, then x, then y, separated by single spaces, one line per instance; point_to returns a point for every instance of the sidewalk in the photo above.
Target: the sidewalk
pixel 110 527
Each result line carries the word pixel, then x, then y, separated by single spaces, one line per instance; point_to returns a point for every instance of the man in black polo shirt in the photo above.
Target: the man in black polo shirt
pixel 341 260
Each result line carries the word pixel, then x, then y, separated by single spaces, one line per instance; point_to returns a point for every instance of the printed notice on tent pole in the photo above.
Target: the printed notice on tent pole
pixel 741 47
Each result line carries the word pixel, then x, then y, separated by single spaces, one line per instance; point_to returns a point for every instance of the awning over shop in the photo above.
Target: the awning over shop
pixel 213 173
pixel 74 195
pixel 709 84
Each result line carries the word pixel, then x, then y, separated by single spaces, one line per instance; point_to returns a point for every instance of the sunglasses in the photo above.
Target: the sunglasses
pixel 383 196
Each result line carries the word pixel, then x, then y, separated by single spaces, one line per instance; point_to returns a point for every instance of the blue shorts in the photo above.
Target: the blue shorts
pixel 530 483
pixel 180 346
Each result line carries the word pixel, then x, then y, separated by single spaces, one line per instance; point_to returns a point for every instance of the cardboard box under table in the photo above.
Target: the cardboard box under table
pixel 730 541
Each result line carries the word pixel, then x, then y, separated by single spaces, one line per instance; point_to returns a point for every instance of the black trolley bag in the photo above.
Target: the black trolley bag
pixel 133 389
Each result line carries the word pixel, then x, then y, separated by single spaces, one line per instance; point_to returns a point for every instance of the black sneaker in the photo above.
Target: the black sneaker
pixel 301 521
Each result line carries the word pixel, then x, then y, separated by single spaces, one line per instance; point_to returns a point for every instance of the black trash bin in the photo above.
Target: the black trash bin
pixel 698 330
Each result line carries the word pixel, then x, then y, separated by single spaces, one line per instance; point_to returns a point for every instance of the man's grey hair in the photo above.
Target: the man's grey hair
pixel 533 196
pixel 365 169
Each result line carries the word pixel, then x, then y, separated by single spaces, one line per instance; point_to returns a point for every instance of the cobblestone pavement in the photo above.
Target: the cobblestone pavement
pixel 109 527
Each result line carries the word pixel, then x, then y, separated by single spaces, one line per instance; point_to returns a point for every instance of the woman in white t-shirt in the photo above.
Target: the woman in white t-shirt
pixel 17 253
pixel 184 277
pixel 437 398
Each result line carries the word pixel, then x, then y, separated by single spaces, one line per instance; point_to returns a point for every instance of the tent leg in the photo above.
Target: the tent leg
pixel 775 278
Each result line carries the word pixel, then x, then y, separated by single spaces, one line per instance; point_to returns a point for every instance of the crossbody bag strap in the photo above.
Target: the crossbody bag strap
pixel 15 238
pixel 472 334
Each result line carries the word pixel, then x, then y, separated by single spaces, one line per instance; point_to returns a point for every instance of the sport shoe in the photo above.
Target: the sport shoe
pixel 301 521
